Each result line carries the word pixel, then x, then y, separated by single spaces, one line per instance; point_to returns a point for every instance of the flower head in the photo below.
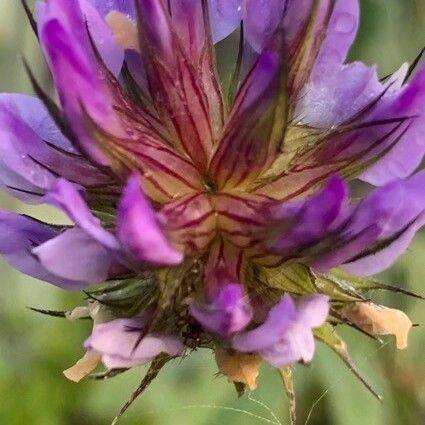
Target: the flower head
pixel 213 210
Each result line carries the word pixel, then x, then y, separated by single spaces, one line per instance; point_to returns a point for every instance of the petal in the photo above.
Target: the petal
pixel 64 39
pixel 32 111
pixel 75 255
pixel 188 22
pixel 297 344
pixel 311 219
pixel 20 234
pixel 382 260
pixel 270 332
pixel 116 341
pixel 66 196
pixel 409 151
pixel 112 55
pixel 376 222
pixel 337 92
pixel 229 312
pixel 341 32
pixel 251 143
pixel 226 16
pixel 35 149
pixel 379 320
pixel 83 367
pixel 312 310
pixel 191 222
pixel 123 6
pixel 181 76
pixel 21 172
pixel 139 230
pixel 262 19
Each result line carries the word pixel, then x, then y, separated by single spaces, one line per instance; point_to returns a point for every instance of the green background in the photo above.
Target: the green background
pixel 34 350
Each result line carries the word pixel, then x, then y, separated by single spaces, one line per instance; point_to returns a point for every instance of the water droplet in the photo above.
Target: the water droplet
pixel 345 23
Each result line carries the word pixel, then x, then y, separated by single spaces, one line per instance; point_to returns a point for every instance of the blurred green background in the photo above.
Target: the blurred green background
pixel 34 350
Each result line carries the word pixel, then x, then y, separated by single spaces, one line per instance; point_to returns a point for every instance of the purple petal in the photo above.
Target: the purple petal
pixel 335 93
pixel 313 218
pixel 408 153
pixel 226 16
pixel 116 341
pixel 269 333
pixel 341 32
pixel 66 196
pixel 111 54
pixel 19 236
pixel 123 6
pixel 228 313
pixel 262 19
pixel 18 186
pixel 64 39
pixel 139 229
pixel 75 255
pixel 378 218
pixel 30 160
pixel 312 310
pixel 382 260
pixel 286 336
pixel 255 97
pixel 32 111
pixel 297 344
pixel 15 153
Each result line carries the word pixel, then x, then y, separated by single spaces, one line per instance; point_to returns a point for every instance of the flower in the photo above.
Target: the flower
pixel 286 336
pixel 212 214
pixel 228 313
pixel 116 340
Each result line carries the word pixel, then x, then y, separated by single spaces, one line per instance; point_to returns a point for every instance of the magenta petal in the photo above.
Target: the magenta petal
pixel 228 313
pixel 75 255
pixel 156 28
pixel 116 341
pixel 139 230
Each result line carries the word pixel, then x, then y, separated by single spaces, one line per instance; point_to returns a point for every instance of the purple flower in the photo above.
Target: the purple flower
pixel 286 336
pixel 116 342
pixel 228 313
pixel 204 203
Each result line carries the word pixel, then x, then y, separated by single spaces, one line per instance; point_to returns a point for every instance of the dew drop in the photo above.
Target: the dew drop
pixel 345 23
